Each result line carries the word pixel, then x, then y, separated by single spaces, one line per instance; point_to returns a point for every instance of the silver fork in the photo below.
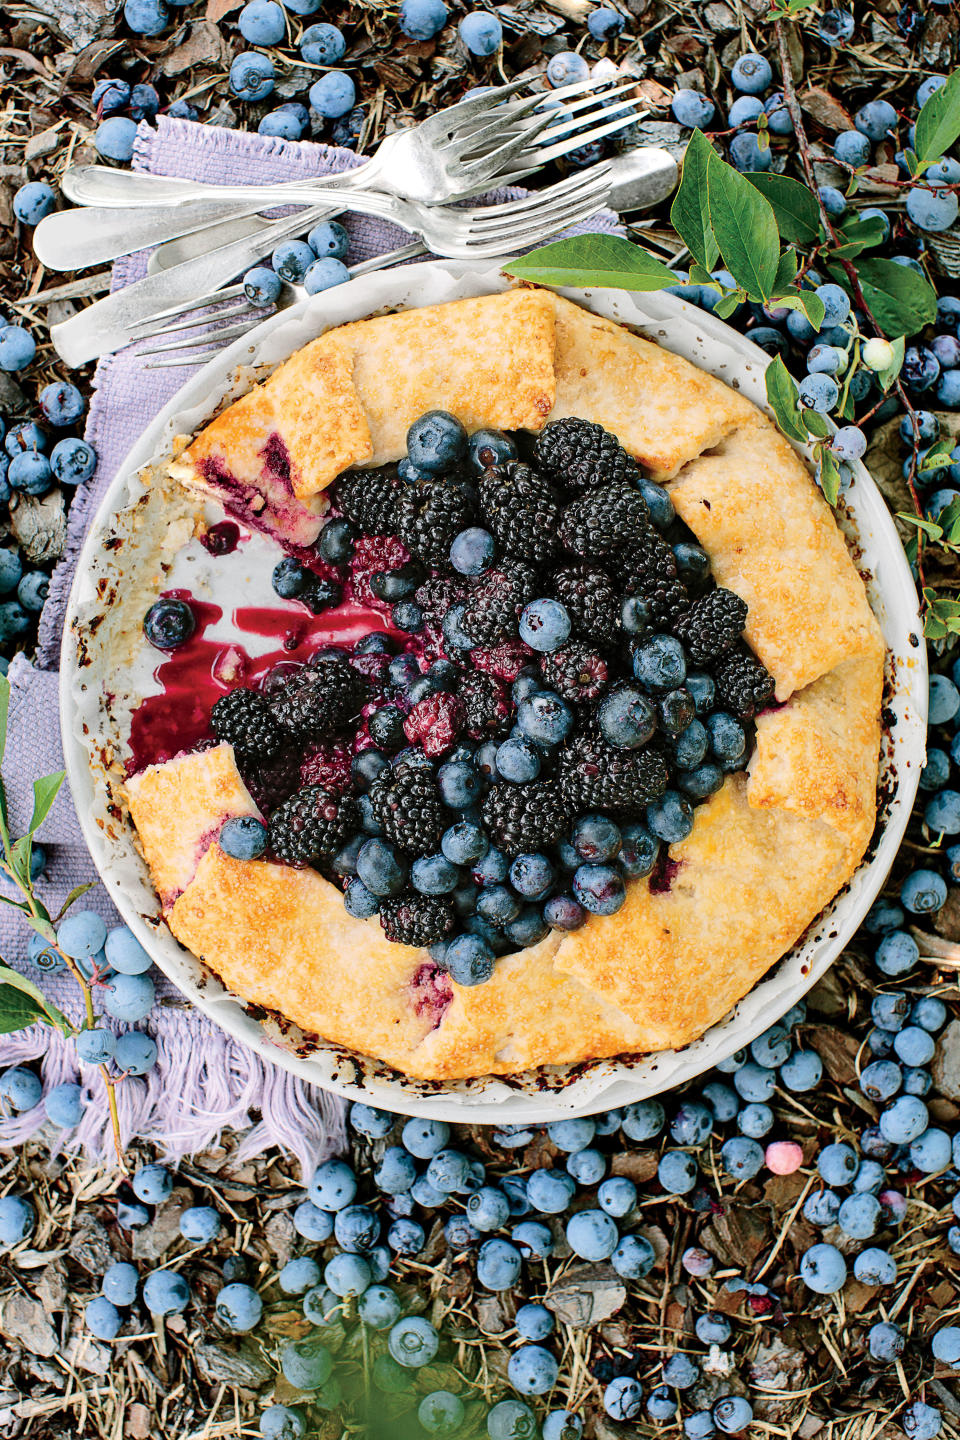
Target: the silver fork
pixel 482 233
pixel 451 154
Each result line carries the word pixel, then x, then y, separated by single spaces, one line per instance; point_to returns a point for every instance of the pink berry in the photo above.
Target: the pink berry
pixel 697 1262
pixel 435 722
pixel 783 1157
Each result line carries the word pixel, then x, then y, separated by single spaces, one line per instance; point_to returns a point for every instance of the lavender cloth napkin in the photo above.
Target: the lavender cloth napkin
pixel 204 1079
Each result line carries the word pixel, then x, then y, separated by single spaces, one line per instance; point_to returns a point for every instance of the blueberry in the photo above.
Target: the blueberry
pixel 30 472
pixel 755 1120
pixel 943 700
pixel 825 359
pixel 643 1120
pixel 284 124
pixel 903 1120
pixel 102 1318
pixel 291 260
pixel 531 876
pixel 622 1398
pixel 916 1081
pixel 599 889
pixel 851 147
pixel 550 1191
pixel 20 1088
pixel 771 1048
pixel 17 348
pixel 129 997
pixel 545 625
pixel 436 441
pixel 167 1293
pixel 281 1422
pixel 382 867
pixel 114 138
pixel 73 461
pixel 833 201
pixel 109 96
pixel 744 110
pixel 347 1275
pixel 692 109
pixel 639 851
pixel 886 1341
pixel 876 119
pixel 823 1269
pixel 587 1167
pixel 747 153
pixel 837 1163
pixel 819 393
pixel 930 1152
pixel 923 891
pixel 741 1157
pixel 859 1215
pixel 396 1171
pixel 662 512
pixel 96 1046
pixel 921 1421
pixel 64 1105
pixel 671 817
pixel 145 17
pixel 32 590
pixel 677 1172
pixel 323 274
pixel 731 1414
pixel 532 1370
pixel 169 623
pixel 751 75
pixel 356 1228
pixel 544 718
pixel 511 1420
pixel 564 1424
pixel 713 1328
pixel 660 664
pixel 464 843
pixel 459 784
pixel 306 1364
pixel 33 201
pixel 333 1185
pixel 422 19
pixel 931 210
pixel 692 1124
pixel 251 76
pixel 914 1045
pixel 897 953
pixel 323 44
pixel 481 33
pixel 627 719
pixel 498 1265
pixel 802 1071
pixel 921 369
pixel 199 1224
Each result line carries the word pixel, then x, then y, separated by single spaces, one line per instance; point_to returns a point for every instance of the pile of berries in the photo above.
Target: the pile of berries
pixel 557 686
pixel 416 1191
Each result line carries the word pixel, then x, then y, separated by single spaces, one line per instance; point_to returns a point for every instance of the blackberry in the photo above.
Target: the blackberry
pixel 595 776
pixel 525 818
pixel 522 511
pixel 493 607
pixel 406 804
pixel 436 595
pixel 312 824
pixel 712 625
pixel 649 569
pixel 579 455
pixel 319 698
pixel 244 719
pixel 591 601
pixel 271 781
pixel 416 919
pixel 488 706
pixel 607 519
pixel 743 684
pixel 429 516
pixel 369 498
pixel 576 672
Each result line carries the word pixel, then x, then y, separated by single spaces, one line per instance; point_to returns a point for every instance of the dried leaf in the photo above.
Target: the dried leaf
pixel 737 1236
pixel 587 1295
pixel 838 1051
pixel 825 109
pixel 204 45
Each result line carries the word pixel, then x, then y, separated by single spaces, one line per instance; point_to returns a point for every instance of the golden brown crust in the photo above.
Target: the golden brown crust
pixel 765 854
pixel 661 408
pixel 178 809
pixel 772 538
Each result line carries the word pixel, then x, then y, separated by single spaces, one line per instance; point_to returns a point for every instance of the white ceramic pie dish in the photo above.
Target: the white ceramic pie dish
pixel 87 667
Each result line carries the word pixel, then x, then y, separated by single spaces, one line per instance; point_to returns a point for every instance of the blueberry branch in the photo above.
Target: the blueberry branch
pixel 796 115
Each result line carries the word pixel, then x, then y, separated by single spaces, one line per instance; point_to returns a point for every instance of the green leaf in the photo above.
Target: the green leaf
pixel 44 793
pixel 829 474
pixel 783 400
pixel 938 457
pixel 941 616
pixel 728 304
pixel 74 895
pixel 606 261
pixel 938 124
pixel 20 859
pixel 901 301
pixel 815 423
pixel 20 982
pixel 17 1010
pixel 929 527
pixel 886 377
pixel 690 212
pixel 949 519
pixel 746 229
pixel 859 235
pixel 786 271
pixel 797 212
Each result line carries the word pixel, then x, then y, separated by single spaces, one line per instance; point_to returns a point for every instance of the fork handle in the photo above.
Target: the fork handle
pixel 121 189
pixel 107 325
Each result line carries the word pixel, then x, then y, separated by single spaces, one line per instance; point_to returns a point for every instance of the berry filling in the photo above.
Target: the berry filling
pixel 506 681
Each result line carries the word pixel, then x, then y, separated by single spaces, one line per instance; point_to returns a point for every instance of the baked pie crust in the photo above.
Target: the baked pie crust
pixel 766 853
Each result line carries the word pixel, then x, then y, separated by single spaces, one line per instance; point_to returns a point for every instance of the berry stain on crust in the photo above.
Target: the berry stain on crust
pixel 477 753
